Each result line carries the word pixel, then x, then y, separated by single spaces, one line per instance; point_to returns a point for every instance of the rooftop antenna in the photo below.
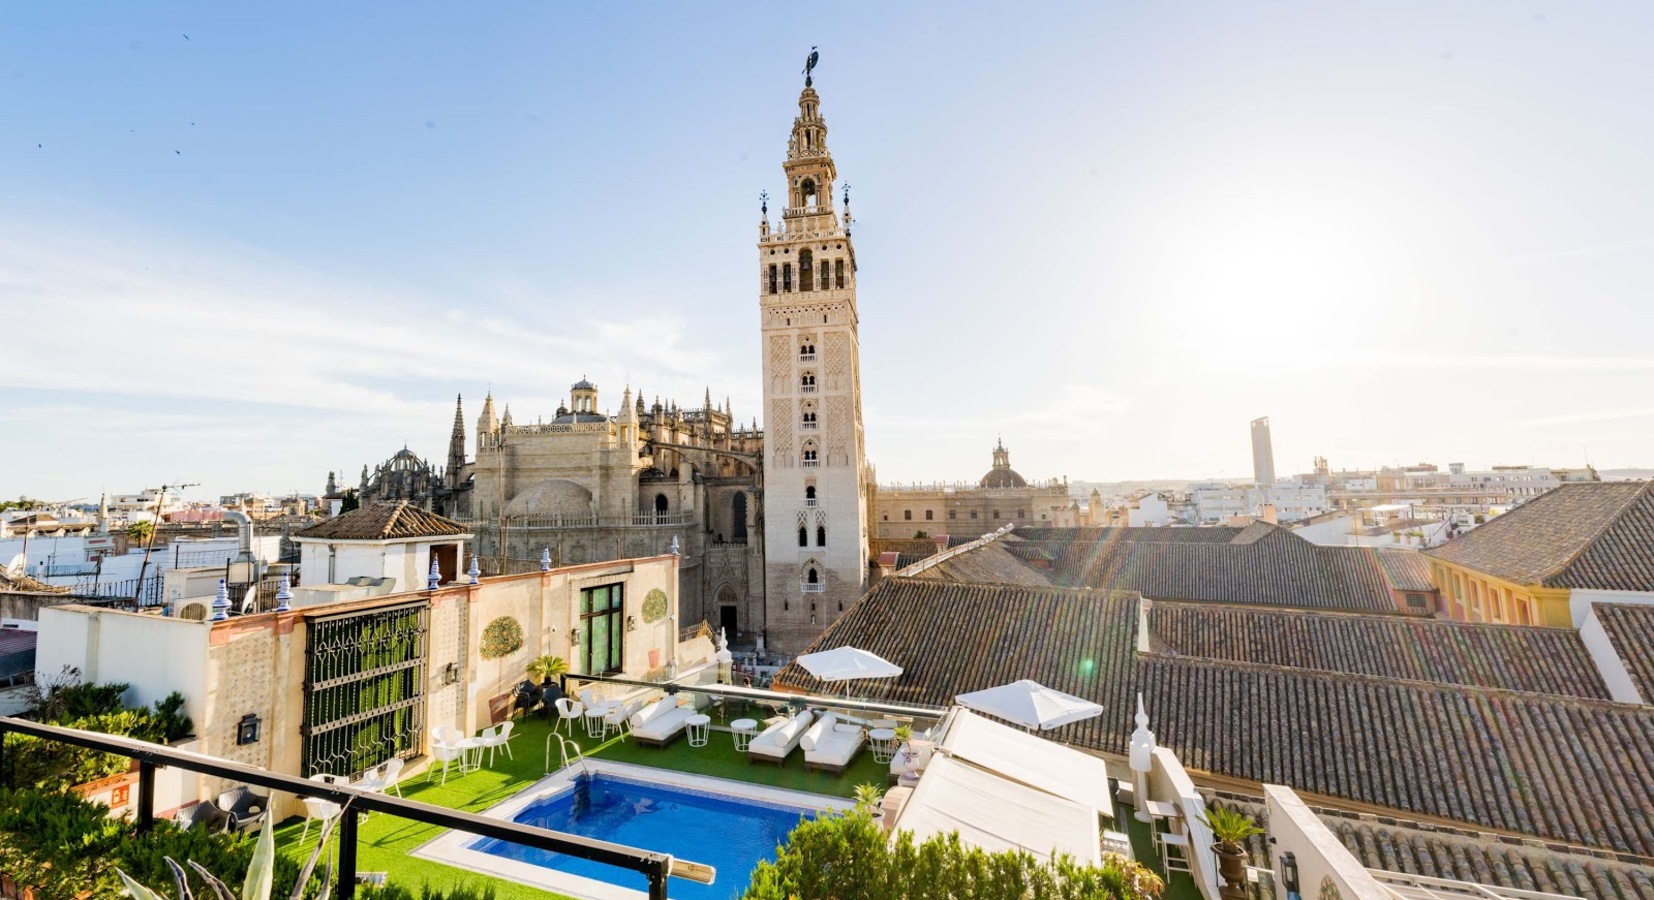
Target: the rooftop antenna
pixel 155 526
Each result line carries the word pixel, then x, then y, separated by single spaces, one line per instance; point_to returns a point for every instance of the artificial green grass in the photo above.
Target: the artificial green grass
pixel 385 842
pixel 1178 885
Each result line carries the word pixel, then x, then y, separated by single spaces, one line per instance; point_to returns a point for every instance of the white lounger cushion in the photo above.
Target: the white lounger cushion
pixel 660 720
pixel 779 739
pixel 831 743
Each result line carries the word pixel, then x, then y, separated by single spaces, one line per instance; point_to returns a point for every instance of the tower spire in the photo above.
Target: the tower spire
pixel 456 443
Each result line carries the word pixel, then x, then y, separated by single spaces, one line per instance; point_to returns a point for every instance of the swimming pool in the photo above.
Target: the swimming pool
pixel 730 834
pixel 729 825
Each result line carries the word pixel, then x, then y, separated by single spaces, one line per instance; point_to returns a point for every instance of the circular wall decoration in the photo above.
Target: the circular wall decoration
pixel 654 605
pixel 501 637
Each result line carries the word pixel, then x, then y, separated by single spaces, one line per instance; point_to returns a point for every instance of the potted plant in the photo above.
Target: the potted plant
pixel 545 668
pixel 1230 827
pixel 867 799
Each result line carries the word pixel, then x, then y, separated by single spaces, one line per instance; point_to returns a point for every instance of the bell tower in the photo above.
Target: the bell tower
pixel 815 478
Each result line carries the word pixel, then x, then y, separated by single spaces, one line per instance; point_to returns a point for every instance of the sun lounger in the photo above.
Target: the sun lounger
pixel 830 745
pixel 779 739
pixel 660 723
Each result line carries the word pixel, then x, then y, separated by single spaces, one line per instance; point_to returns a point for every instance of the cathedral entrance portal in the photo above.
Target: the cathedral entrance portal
pixel 727 620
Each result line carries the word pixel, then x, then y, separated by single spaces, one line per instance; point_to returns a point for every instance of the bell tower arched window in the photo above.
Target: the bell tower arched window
pixel 810 495
pixel 806 280
pixel 838 274
pixel 807 383
pixel 803 536
pixel 811 577
pixel 787 277
pixel 821 535
pixel 773 277
pixel 807 188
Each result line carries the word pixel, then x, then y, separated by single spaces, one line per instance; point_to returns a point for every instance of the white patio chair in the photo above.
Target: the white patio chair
pixel 498 737
pixel 570 712
pixel 389 774
pixel 619 719
pixel 317 808
pixel 445 753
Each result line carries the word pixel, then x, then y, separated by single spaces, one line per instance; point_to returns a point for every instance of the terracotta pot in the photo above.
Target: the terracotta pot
pixel 1231 862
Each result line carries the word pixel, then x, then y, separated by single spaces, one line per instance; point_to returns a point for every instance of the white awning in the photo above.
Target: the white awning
pixel 847 663
pixel 997 814
pixel 1034 761
pixel 1030 704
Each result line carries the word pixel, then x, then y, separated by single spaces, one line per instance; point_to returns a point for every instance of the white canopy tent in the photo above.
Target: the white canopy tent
pixel 1030 704
pixel 996 814
pixel 847 664
pixel 1025 758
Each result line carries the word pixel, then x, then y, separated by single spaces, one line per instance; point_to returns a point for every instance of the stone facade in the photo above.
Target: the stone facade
pixel 589 486
pixel 816 477
pixel 1001 497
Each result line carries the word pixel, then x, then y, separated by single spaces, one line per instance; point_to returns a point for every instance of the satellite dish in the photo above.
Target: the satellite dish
pixel 16 564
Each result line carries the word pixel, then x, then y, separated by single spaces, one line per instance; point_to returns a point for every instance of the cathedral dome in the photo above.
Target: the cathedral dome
pixel 1003 478
pixel 1002 475
pixel 572 417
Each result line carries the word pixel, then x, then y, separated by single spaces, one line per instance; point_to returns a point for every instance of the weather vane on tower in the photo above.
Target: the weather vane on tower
pixel 810 64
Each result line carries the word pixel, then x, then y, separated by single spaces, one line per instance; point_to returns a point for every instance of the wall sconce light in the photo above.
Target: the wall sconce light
pixel 631 623
pixel 574 635
pixel 1289 872
pixel 246 731
pixel 450 673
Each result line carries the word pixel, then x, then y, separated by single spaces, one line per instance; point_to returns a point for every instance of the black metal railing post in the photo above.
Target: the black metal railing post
pixel 346 888
pixel 146 795
pixel 657 879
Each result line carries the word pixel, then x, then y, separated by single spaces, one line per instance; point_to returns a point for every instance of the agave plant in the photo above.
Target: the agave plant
pixel 261 873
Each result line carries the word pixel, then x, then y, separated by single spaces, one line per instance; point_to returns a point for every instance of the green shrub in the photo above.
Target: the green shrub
pixel 850 856
pixel 63 845
pixel 170 722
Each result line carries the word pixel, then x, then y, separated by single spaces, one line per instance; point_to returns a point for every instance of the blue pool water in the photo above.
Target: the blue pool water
pixel 728 834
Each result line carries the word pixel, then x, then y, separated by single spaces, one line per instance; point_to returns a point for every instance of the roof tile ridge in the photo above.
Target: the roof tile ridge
pixel 1470 690
pixel 1641 494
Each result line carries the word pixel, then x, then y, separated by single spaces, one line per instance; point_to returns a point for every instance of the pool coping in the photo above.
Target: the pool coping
pixel 450 847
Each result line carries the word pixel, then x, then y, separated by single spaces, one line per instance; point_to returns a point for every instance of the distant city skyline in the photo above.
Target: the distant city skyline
pixel 1114 234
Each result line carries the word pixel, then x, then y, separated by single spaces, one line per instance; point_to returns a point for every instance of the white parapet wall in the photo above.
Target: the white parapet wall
pixel 156 655
pixel 1169 783
pixel 1326 868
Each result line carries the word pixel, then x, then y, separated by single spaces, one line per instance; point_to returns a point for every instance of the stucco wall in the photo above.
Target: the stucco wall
pixel 154 654
pixel 1614 674
pixel 1580 601
pixel 1322 859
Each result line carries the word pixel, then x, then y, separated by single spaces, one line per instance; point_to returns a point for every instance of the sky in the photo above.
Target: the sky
pixel 242 245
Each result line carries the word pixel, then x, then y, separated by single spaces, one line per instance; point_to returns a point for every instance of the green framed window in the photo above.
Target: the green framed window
pixel 603 628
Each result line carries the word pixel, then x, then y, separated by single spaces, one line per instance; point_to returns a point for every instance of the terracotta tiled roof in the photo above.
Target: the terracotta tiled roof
pixel 1560 768
pixel 1541 660
pixel 1413 848
pixel 1214 535
pixel 1586 535
pixel 911 549
pixel 383 521
pixel 1631 630
pixel 1406 570
pixel 993 561
pixel 1261 564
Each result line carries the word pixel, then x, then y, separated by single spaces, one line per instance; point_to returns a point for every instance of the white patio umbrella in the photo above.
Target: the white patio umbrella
pixel 848 663
pixel 1030 704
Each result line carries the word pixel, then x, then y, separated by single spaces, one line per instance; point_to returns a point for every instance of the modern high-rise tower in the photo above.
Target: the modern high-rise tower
pixel 815 479
pixel 1263 455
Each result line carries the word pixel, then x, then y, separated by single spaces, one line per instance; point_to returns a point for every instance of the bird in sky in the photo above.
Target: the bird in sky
pixel 186 37
pixel 178 152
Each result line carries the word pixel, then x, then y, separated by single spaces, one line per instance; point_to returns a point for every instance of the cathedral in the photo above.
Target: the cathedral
pixel 772 526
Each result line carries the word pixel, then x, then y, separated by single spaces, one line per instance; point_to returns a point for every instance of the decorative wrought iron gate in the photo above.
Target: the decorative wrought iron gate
pixel 364 688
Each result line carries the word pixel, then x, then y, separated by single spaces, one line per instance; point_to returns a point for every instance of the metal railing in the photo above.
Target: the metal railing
pixel 1403 886
pixel 808 588
pixel 657 867
pixel 147 594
